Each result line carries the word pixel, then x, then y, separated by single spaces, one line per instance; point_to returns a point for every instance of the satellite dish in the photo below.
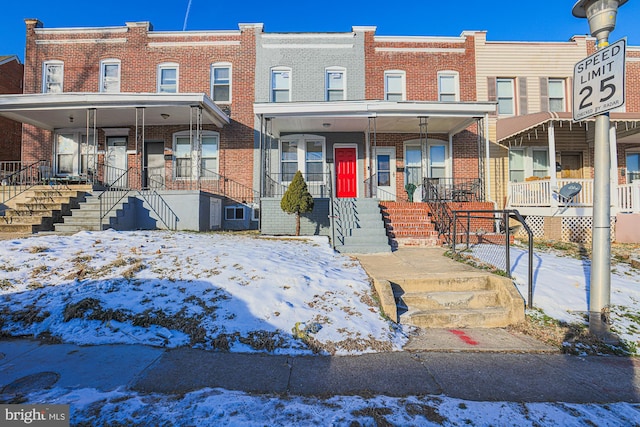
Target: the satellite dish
pixel 569 191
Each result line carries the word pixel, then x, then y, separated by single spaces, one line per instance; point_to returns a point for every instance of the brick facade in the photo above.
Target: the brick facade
pixel 11 72
pixel 140 51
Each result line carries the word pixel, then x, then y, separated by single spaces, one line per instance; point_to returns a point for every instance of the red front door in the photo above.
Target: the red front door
pixel 346 182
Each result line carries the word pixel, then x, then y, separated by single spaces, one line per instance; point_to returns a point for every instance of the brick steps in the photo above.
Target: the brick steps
pixel 409 224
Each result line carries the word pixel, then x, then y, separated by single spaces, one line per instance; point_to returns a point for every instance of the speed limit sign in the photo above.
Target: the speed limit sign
pixel 598 82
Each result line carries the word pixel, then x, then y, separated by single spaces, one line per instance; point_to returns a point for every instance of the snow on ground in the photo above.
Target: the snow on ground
pixel 561 287
pixel 215 407
pixel 232 292
pixel 247 294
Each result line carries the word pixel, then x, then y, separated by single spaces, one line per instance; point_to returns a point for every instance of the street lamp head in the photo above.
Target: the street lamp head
pixel 601 15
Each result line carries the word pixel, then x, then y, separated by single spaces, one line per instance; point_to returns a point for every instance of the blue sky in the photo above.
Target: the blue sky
pixel 504 20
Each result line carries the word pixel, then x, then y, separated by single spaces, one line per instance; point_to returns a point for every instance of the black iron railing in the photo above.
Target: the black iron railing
pixel 318 184
pixel 493 229
pixel 452 190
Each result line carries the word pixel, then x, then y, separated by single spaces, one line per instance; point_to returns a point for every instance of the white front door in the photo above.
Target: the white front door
pixel 116 160
pixel 385 173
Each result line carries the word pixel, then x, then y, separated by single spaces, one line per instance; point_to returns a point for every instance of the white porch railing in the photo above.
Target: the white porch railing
pixel 540 194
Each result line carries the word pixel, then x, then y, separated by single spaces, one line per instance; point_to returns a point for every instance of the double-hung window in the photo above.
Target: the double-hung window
pixel 413 164
pixel 304 153
pixel 394 85
pixel 221 82
pixel 53 77
pixel 110 75
pixel 633 166
pixel 516 165
pixel 335 83
pixel 506 96
pixel 281 85
pixel 540 159
pixel 182 154
pixel 556 95
pixel 448 86
pixel 168 78
pixel 437 161
pixel 209 156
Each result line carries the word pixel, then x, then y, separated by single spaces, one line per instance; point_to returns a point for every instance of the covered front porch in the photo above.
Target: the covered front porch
pixel 550 155
pixel 372 149
pixel 122 142
pixel 355 154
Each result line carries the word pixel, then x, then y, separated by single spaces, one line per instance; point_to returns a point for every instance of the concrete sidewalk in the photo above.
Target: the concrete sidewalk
pixel 28 365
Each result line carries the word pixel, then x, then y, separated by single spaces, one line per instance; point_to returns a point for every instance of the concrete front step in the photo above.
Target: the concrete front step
pixel 449 300
pixel 363 248
pixel 464 300
pixel 490 317
pixel 443 283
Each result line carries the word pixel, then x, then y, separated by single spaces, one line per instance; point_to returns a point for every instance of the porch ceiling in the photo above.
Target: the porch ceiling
pixel 354 116
pixel 66 110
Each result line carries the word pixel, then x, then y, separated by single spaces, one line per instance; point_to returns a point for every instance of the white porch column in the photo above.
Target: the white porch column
pixel 553 183
pixel 613 177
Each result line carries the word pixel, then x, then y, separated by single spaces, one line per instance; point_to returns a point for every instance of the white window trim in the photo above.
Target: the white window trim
pixel 235 208
pixel 456 82
pixel 634 150
pixel 186 133
pixel 327 72
pixel 302 151
pixel 168 66
pixel 271 88
pixel 527 157
pixel 222 65
pixel 44 75
pixel 403 76
pixel 564 92
pixel 514 96
pixel 105 62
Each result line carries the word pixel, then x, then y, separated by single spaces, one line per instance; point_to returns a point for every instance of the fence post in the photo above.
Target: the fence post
pixel 455 230
pixel 505 218
pixel 468 228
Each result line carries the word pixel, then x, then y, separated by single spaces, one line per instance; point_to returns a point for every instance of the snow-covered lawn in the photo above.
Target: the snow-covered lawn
pixel 561 287
pixel 212 291
pixel 246 294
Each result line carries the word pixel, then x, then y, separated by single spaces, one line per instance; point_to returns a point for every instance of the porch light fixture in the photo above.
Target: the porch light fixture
pixel 326 125
pixel 165 116
pixel 602 20
pixel 70 119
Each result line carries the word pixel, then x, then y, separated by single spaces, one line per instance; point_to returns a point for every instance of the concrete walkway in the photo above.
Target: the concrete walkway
pixel 28 365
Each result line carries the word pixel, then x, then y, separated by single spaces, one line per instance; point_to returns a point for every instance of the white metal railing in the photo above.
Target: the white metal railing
pixel 540 194
pixel 629 197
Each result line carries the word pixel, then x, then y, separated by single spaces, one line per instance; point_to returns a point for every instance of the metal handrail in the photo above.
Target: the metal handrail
pixel 17 182
pixel 114 193
pixel 504 216
pixel 440 210
pixel 317 183
pixel 371 190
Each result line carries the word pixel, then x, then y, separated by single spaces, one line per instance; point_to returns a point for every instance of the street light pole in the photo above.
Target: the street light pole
pixel 602 20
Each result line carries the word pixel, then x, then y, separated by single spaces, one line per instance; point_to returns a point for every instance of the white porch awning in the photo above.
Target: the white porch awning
pixel 63 110
pixel 390 117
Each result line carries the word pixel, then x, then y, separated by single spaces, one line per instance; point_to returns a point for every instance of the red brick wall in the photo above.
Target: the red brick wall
pixel 421 68
pixel 139 61
pixel 10 131
pixel 421 74
pixel 632 90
